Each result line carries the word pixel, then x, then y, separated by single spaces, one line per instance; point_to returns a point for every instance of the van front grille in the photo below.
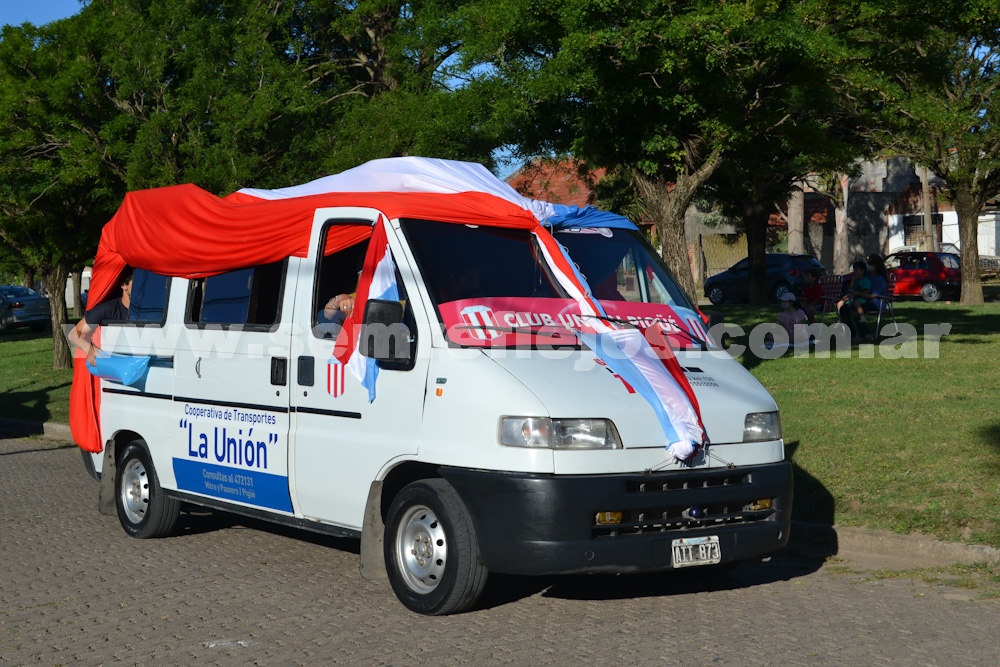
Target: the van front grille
pixel 679 519
pixel 675 503
pixel 685 484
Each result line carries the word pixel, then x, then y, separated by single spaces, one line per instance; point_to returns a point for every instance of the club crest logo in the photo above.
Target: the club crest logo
pixel 481 322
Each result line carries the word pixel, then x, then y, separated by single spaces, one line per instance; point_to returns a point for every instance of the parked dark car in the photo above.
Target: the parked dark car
pixel 783 273
pixel 929 275
pixel 22 307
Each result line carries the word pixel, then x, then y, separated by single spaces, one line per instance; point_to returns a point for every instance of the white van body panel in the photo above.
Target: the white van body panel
pixel 231 422
pixel 571 384
pixel 341 443
pixel 461 425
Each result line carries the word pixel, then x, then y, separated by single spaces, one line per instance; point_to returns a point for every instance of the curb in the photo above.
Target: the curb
pixel 915 550
pixel 20 428
pixel 813 538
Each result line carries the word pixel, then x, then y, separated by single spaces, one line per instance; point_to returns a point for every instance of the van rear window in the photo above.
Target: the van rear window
pixel 249 296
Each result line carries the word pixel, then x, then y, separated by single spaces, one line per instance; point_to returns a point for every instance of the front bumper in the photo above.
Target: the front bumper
pixel 546 524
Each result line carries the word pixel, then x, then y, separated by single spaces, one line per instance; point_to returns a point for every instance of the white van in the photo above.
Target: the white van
pixel 491 439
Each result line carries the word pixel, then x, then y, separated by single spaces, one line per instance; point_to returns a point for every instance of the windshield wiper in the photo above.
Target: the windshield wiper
pixel 702 345
pixel 534 330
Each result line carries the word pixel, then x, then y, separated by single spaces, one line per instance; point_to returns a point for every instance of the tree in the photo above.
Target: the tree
pixel 231 93
pixel 55 186
pixel 408 96
pixel 954 131
pixel 667 91
pixel 224 93
pixel 936 68
pixel 216 93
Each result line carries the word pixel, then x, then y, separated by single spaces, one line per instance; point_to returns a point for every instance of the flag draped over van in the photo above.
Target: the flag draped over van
pixel 184 231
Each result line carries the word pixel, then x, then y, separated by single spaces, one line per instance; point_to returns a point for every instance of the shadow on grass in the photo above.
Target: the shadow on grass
pixel 813 514
pixel 964 320
pixel 990 434
pixel 29 406
pixel 812 502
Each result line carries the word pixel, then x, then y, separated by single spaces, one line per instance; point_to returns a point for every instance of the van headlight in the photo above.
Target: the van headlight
pixel 762 426
pixel 559 433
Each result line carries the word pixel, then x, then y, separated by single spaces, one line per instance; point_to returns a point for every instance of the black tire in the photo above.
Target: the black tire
pixel 442 572
pixel 716 295
pixel 780 289
pixel 144 510
pixel 930 292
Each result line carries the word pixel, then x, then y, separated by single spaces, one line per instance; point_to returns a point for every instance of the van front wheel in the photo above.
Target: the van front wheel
pixel 144 510
pixel 431 552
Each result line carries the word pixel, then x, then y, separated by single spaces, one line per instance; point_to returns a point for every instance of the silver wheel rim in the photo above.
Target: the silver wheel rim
pixel 421 549
pixel 930 290
pixel 715 294
pixel 135 491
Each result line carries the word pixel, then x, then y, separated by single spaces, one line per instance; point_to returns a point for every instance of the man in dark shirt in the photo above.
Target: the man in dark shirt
pixel 111 310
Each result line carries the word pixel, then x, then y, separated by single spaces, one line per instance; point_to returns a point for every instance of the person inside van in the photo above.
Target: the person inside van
pixel 332 315
pixel 111 310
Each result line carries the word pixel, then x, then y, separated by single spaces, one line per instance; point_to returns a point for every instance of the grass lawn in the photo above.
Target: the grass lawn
pixel 910 445
pixel 31 389
pixel 905 444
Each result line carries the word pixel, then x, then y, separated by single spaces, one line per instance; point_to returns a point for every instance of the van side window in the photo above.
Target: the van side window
pixel 149 297
pixel 338 273
pixel 244 296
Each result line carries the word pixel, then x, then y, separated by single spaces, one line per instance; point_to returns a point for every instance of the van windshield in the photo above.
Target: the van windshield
pixel 621 266
pixel 492 288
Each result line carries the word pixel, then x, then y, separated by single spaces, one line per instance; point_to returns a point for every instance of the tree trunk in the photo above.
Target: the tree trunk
pixel 77 278
pixel 968 207
pixel 667 206
pixel 930 237
pixel 841 237
pixel 755 223
pixel 55 283
pixel 796 221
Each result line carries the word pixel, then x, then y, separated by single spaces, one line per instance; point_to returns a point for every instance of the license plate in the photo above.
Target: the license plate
pixel 696 551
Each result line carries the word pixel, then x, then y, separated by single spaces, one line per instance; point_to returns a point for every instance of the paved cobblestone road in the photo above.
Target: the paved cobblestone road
pixel 75 590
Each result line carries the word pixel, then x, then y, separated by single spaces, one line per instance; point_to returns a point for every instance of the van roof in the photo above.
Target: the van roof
pixel 185 231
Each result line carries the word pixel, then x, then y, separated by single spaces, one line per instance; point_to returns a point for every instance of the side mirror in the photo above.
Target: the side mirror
pixel 383 334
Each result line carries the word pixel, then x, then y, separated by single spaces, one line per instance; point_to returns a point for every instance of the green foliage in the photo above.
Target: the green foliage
pixel 930 73
pixel 56 186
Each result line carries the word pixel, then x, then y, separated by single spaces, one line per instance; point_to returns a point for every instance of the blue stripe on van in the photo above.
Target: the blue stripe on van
pixel 236 484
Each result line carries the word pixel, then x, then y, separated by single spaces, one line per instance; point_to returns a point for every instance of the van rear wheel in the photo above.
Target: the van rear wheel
pixel 431 551
pixel 144 510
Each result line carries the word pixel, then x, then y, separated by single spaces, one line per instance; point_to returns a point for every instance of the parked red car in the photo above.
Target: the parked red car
pixel 925 274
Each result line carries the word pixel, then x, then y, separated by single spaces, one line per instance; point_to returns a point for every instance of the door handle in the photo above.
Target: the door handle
pixel 197 367
pixel 279 371
pixel 307 371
